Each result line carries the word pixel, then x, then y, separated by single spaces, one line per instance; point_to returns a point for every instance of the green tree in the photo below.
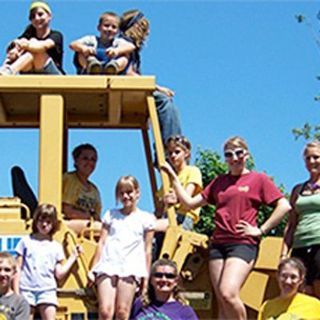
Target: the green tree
pixel 210 164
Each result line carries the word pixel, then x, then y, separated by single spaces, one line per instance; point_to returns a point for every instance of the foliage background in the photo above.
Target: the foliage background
pixel 210 164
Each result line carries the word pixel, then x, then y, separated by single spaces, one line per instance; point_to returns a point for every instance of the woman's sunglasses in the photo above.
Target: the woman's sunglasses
pixel 167 275
pixel 239 153
pixel 312 157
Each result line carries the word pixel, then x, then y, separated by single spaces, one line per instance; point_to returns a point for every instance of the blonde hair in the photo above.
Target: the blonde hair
pixel 149 297
pixel 135 26
pixel 7 256
pixel 45 211
pixel 180 141
pixel 312 144
pixel 126 182
pixel 235 142
pixel 107 14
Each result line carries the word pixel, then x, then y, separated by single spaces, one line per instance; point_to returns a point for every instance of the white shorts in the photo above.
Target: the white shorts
pixel 35 298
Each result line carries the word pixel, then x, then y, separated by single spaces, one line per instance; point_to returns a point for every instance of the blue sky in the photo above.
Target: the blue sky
pixel 238 68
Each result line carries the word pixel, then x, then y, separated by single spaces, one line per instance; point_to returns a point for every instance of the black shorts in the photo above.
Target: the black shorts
pixel 246 252
pixel 310 256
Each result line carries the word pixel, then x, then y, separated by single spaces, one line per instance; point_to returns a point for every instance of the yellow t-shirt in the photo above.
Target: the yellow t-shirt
pixel 301 306
pixel 190 174
pixel 76 195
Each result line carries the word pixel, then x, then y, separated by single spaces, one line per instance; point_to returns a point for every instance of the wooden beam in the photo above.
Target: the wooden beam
pixel 36 83
pixel 115 107
pixel 3 114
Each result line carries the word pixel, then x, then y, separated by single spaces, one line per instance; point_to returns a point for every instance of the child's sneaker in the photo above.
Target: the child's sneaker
pixel 111 68
pixel 94 66
pixel 6 71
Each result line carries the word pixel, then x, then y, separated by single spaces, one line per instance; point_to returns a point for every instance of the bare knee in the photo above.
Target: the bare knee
pixel 105 313
pixel 228 295
pixel 122 312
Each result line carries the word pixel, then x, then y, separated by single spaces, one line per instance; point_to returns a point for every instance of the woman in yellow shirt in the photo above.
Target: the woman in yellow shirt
pixel 291 304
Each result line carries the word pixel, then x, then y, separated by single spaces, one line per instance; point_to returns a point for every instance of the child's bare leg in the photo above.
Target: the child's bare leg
pixel 23 63
pixel 47 311
pixel 122 63
pixel 83 61
pixel 40 60
pixel 32 312
pixel 107 287
pixel 125 294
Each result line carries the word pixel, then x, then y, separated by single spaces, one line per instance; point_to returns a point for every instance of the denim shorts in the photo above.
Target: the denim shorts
pixel 246 252
pixel 49 68
pixel 35 298
pixel 310 256
pixel 185 222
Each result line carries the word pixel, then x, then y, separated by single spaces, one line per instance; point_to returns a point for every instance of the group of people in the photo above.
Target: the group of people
pixel 121 263
pixel 116 50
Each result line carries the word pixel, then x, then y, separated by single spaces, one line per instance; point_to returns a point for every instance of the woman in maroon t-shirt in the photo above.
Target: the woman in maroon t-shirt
pixel 237 196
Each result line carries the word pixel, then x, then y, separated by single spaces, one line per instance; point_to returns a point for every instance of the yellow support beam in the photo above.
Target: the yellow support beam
pixel 160 154
pixel 51 148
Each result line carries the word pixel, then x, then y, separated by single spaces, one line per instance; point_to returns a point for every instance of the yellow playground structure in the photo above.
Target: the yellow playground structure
pixel 56 103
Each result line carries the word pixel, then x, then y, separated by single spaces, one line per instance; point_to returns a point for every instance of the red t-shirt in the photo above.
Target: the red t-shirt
pixel 238 198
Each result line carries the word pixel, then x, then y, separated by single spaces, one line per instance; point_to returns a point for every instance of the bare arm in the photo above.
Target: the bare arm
pixel 280 210
pixel 171 198
pixel 123 48
pixel 185 199
pixel 148 247
pixel 16 279
pixel 291 224
pixel 73 213
pixel 79 47
pixel 167 91
pixel 97 255
pixel 148 252
pixel 61 270
pixel 34 45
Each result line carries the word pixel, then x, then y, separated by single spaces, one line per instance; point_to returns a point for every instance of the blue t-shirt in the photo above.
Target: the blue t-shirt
pixel 162 311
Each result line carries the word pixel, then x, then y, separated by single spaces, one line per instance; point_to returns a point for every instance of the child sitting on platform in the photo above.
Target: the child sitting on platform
pixel 105 54
pixel 39 49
